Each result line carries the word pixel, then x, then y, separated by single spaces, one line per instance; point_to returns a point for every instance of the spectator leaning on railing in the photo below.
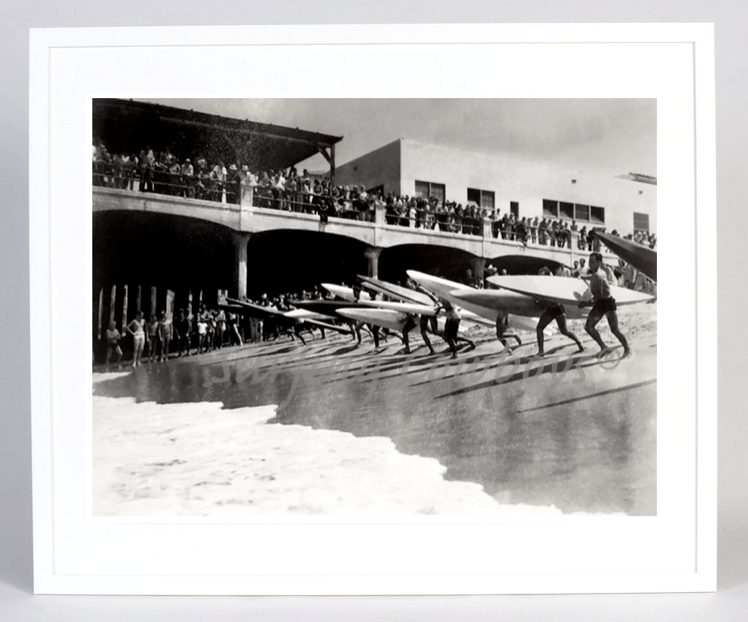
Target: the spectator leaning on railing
pixel 305 193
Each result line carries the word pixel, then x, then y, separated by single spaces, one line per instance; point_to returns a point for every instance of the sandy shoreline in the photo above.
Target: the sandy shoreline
pixel 201 459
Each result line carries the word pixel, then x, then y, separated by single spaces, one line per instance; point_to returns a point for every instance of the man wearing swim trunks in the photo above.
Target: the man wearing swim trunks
pixel 112 345
pixel 603 304
pixel 554 312
pixel 452 326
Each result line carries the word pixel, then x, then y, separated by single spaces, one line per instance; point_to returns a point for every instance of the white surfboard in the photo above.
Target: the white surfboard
pixel 562 290
pixel 405 307
pixel 344 292
pixel 305 314
pixel 396 291
pixel 386 318
pixel 495 298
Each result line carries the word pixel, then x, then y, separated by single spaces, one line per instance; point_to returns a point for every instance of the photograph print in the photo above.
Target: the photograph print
pixel 374 307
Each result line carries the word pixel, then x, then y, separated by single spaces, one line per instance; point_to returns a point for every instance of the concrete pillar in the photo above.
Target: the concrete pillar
pixel 100 314
pixel 241 239
pixel 372 257
pixel 139 298
pixel 113 304
pixel 125 290
pixel 477 264
pixel 154 300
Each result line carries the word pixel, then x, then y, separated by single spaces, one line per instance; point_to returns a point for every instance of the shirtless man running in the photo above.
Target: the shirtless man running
pixel 603 304
pixel 554 312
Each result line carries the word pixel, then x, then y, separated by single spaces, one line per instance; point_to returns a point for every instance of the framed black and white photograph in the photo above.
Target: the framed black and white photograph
pixel 358 310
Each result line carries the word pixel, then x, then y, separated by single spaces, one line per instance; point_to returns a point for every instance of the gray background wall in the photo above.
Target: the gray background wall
pixel 16 601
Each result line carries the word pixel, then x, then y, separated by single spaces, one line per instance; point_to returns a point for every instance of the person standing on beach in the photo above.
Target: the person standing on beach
pixel 165 331
pixel 152 337
pixel 603 304
pixel 136 328
pixel 112 345
pixel 554 312
pixel 183 333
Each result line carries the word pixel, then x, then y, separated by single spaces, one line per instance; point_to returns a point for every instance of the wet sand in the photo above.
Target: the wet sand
pixel 332 428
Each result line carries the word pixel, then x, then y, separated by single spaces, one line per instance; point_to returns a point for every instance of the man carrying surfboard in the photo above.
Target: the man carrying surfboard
pixel 603 304
pixel 554 312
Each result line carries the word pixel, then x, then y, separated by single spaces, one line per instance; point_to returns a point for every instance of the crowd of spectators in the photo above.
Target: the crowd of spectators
pixel 161 172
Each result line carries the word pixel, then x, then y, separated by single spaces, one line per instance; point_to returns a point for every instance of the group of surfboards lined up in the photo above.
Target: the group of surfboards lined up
pixel 438 306
pixel 442 308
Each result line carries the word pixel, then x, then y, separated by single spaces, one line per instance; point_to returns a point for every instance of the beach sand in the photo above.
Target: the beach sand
pixel 201 459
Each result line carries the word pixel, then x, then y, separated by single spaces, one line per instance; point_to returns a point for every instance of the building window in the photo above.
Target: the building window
pixel 574 211
pixel 428 189
pixel 514 208
pixel 566 210
pixel 482 198
pixel 550 208
pixel 597 215
pixel 582 212
pixel 641 222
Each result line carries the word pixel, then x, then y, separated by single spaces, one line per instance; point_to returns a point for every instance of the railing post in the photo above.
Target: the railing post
pixel 247 194
pixel 379 213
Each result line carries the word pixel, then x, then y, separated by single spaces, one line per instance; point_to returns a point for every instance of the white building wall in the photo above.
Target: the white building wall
pixel 379 167
pixel 512 179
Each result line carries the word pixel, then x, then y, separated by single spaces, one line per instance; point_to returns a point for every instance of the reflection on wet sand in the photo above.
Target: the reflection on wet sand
pixel 567 431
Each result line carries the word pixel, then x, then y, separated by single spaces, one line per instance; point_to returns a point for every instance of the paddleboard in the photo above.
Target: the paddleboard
pixel 641 257
pixel 251 308
pixel 405 307
pixel 305 314
pixel 504 304
pixel 497 299
pixel 562 290
pixel 344 292
pixel 386 318
pixel 328 308
pixel 396 291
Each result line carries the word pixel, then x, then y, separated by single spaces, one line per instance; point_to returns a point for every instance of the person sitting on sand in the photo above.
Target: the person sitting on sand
pixel 603 304
pixel 554 312
pixel 112 345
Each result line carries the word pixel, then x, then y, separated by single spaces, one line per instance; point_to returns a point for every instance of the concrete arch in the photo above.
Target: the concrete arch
pixel 445 261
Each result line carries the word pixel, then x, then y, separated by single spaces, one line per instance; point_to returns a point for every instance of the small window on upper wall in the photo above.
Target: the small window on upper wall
pixel 428 189
pixel 641 222
pixel 483 198
pixel 566 210
pixel 581 212
pixel 597 215
pixel 550 208
pixel 514 208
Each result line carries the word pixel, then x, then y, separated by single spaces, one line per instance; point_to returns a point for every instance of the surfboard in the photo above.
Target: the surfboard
pixel 386 318
pixel 396 291
pixel 251 308
pixel 405 307
pixel 642 258
pixel 328 308
pixel 562 290
pixel 504 303
pixel 344 292
pixel 496 298
pixel 305 314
